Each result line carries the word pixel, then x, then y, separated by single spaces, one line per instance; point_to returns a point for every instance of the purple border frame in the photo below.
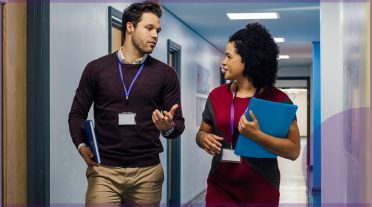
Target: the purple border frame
pixel 196 1
pixel 1 104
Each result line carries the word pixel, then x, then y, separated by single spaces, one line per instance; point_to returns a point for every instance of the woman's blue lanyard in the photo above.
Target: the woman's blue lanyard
pixel 232 113
pixel 127 92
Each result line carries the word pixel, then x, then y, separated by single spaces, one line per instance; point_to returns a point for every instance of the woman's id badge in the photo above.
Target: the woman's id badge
pixel 127 118
pixel 228 155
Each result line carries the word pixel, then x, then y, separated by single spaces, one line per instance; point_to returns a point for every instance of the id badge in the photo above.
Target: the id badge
pixel 127 118
pixel 228 155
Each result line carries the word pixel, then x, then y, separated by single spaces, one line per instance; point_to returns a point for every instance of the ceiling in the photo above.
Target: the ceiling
pixel 299 23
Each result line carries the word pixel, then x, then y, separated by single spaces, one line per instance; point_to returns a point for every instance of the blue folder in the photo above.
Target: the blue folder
pixel 274 119
pixel 92 139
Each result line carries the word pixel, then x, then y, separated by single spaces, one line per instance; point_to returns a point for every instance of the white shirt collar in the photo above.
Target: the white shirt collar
pixel 124 61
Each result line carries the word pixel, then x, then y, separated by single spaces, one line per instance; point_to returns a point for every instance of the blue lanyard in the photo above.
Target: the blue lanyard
pixel 127 92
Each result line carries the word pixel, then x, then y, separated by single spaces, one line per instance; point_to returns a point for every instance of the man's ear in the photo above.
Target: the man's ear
pixel 130 27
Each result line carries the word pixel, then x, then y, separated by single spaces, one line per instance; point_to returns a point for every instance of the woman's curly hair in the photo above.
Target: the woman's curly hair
pixel 259 54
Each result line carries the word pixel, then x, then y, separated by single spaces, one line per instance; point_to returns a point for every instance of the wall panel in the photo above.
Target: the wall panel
pixel 14 103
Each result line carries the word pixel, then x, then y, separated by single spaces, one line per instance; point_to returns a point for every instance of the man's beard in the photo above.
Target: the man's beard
pixel 143 51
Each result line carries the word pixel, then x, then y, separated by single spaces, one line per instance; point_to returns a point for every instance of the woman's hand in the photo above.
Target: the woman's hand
pixel 210 143
pixel 249 129
pixel 288 148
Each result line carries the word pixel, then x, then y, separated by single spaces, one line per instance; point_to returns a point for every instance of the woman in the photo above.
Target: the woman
pixel 251 65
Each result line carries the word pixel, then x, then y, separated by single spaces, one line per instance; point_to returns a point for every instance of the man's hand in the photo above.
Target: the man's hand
pixel 87 155
pixel 164 121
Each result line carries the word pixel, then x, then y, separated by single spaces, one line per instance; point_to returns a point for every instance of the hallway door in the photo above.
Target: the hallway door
pixel 174 146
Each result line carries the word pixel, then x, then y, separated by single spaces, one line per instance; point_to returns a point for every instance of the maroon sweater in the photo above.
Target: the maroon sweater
pixel 157 86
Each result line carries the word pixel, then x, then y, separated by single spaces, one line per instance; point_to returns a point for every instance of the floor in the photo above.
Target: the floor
pixel 293 182
pixel 293 190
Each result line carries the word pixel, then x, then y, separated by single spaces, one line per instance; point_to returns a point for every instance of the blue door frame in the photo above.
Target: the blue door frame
pixel 316 169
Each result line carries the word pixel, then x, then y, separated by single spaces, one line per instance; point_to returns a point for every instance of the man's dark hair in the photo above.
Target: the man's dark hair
pixel 259 54
pixel 133 13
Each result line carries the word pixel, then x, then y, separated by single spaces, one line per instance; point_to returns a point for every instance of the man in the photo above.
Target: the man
pixel 129 89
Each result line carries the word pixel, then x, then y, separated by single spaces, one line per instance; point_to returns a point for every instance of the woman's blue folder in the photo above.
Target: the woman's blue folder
pixel 274 119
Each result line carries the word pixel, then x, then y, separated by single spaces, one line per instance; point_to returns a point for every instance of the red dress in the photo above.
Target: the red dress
pixel 254 181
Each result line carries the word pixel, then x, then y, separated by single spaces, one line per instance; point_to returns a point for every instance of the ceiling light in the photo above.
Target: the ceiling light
pixel 279 39
pixel 283 57
pixel 266 15
pixel 294 90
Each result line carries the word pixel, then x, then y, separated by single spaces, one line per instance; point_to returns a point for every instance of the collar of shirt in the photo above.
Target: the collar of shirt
pixel 124 61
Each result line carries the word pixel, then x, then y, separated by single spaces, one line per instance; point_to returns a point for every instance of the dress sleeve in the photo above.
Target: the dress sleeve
pixel 208 114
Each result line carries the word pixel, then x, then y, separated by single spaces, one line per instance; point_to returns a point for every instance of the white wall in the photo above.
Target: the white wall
pixel 291 83
pixel 298 94
pixel 195 163
pixel 78 34
pixel 299 98
pixel 301 71
pixel 344 88
pixel 294 71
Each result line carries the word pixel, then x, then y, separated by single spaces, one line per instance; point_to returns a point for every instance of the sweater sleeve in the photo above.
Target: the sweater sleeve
pixel 171 96
pixel 81 104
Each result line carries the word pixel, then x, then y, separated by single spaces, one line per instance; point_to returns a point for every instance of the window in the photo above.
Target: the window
pixel 115 36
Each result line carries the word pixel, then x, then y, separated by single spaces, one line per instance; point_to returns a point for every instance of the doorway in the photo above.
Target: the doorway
pixel 293 185
pixel 174 145
pixel 296 84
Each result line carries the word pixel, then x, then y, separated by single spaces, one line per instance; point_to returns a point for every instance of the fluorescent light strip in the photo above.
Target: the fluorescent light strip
pixel 279 39
pixel 283 57
pixel 266 15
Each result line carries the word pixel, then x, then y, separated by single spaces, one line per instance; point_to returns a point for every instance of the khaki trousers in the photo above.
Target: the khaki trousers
pixel 114 186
